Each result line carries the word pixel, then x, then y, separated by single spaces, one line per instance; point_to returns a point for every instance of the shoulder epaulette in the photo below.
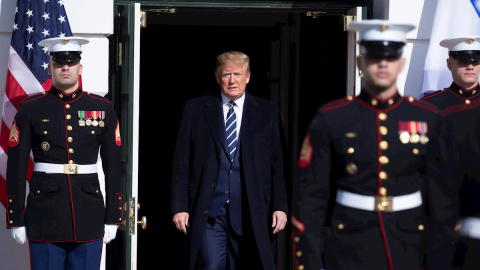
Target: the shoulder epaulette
pixel 338 103
pixel 422 103
pixel 434 93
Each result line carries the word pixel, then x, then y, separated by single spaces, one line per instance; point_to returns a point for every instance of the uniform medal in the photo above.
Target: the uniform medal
pixel 88 116
pixel 102 116
pixel 423 133
pixel 94 117
pixel 414 138
pixel 81 116
pixel 404 136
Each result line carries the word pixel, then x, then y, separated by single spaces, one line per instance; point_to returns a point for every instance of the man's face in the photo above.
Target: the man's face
pixel 233 80
pixel 380 73
pixel 65 75
pixel 464 73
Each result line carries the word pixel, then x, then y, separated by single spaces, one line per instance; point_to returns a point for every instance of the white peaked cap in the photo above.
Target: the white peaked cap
pixel 381 30
pixel 62 44
pixel 462 44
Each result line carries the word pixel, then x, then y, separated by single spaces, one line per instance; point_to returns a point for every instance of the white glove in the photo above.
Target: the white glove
pixel 110 233
pixel 19 234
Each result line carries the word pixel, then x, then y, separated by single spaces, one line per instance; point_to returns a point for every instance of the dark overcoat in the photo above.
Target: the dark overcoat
pixel 197 164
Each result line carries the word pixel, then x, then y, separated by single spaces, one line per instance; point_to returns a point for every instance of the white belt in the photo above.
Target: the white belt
pixel 387 204
pixel 470 227
pixel 65 168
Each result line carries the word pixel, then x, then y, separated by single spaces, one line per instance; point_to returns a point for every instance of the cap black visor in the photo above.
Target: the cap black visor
pixel 381 48
pixel 65 57
pixel 466 56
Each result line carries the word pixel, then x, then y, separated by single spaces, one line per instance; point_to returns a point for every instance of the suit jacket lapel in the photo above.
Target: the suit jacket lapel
pixel 214 117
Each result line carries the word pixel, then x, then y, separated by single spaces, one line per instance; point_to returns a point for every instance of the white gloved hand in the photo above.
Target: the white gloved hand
pixel 19 234
pixel 110 233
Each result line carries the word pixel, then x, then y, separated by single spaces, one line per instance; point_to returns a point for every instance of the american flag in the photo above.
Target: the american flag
pixel 27 72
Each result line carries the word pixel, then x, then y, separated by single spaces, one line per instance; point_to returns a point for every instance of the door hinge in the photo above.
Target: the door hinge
pixel 346 20
pixel 143 19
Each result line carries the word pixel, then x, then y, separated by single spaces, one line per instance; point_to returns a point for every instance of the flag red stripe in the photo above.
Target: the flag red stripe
pixel 14 91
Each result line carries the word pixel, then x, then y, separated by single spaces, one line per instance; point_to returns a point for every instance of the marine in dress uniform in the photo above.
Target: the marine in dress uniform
pixel 359 198
pixel 458 160
pixel 465 71
pixel 65 209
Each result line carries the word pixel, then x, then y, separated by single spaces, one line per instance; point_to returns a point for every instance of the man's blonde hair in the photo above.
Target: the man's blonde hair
pixel 233 57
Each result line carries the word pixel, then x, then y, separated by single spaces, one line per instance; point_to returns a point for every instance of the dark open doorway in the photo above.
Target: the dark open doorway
pixel 307 56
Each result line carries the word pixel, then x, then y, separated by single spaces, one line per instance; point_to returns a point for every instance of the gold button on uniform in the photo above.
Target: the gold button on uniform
pixel 296 239
pixel 374 102
pixel 340 226
pixel 383 175
pixel 384 145
pixel 415 151
pixel 69 128
pixel 45 132
pixel 70 151
pixel 70 139
pixel 298 254
pixel 467 101
pixel 383 160
pixel 350 150
pixel 383 191
pixel 69 116
pixel 351 168
pixel 67 106
pixel 382 116
pixel 420 227
pixel 383 130
pixel 301 267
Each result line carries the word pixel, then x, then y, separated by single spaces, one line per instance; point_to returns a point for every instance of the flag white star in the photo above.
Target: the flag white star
pixel 62 19
pixel 15 27
pixel 45 32
pixel 45 65
pixel 29 13
pixel 46 15
pixel 29 46
pixel 30 29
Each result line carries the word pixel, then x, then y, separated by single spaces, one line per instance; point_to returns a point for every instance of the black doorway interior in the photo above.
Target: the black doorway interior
pixel 177 60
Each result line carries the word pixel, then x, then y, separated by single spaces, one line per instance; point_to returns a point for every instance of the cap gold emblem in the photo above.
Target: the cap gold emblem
pixel 383 27
pixel 470 40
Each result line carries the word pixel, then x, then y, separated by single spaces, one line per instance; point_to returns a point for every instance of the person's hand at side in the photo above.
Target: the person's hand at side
pixel 110 233
pixel 181 221
pixel 279 221
pixel 19 234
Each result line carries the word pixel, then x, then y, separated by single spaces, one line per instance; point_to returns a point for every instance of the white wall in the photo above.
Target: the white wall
pixel 421 13
pixel 92 19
